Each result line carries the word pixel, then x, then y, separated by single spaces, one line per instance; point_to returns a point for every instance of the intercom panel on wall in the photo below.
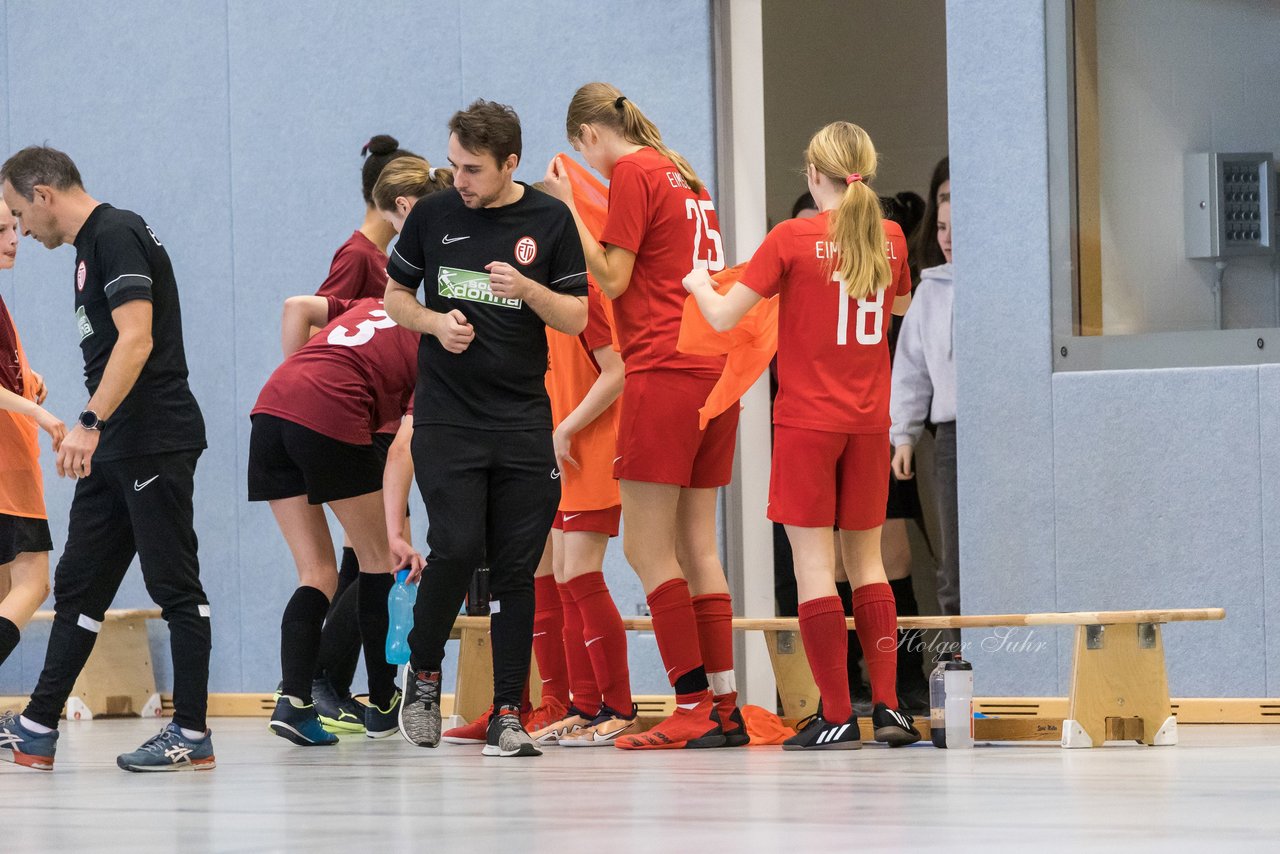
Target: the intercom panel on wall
pixel 1230 204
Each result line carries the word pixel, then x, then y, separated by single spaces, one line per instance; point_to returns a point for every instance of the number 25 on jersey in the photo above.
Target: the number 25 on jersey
pixel 698 210
pixel 868 326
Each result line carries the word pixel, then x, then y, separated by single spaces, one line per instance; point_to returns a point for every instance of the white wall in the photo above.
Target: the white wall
pixel 1177 76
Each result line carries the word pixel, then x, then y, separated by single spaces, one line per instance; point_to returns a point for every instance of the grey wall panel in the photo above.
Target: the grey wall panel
pixel 1269 442
pixel 1159 506
pixel 147 126
pixel 996 89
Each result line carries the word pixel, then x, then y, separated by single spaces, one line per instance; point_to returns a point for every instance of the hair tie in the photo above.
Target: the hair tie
pixel 431 174
pixel 617 104
pixel 852 179
pixel 364 149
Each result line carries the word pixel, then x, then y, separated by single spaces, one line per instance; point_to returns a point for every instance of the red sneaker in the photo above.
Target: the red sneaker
pixel 687 728
pixel 475 732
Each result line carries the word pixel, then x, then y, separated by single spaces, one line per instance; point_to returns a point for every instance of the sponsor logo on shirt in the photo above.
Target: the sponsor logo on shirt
pixel 472 286
pixel 526 250
pixel 81 275
pixel 82 321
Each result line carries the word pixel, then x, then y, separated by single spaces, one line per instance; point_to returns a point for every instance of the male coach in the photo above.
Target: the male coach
pixel 133 452
pixel 501 263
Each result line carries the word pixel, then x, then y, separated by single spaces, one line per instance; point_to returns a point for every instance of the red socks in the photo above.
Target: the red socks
pixel 714 612
pixel 604 637
pixel 676 630
pixel 548 639
pixel 582 680
pixel 876 617
pixel 826 644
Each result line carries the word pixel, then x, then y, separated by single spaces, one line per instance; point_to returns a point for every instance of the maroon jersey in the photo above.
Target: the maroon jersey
pixel 358 271
pixel 353 378
pixel 833 350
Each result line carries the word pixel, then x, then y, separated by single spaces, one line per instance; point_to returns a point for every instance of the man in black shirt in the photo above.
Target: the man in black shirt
pixel 501 263
pixel 133 453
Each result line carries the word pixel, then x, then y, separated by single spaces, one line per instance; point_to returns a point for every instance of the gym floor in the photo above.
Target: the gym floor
pixel 1217 788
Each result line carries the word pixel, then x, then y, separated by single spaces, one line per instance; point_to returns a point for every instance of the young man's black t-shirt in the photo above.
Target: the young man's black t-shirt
pixel 119 259
pixel 498 382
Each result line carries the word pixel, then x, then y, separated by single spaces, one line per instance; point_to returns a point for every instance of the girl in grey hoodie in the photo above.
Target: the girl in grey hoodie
pixel 924 385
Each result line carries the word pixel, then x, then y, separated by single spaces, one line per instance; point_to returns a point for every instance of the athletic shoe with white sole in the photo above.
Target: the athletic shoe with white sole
pixel 574 720
pixel 420 707
pixel 298 722
pixel 817 733
pixel 892 727
pixel 380 723
pixel 170 750
pixel 507 737
pixel 607 726
pixel 21 746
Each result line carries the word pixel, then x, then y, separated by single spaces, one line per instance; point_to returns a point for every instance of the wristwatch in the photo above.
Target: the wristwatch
pixel 89 420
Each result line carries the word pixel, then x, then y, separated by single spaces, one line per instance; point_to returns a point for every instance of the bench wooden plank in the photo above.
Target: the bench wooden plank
pixel 115 614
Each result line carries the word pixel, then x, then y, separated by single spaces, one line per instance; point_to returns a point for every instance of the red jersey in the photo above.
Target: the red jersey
pixel 833 350
pixel 572 370
pixel 352 378
pixel 672 230
pixel 358 271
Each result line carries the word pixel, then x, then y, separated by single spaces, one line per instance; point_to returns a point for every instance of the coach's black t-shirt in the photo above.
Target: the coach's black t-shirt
pixel 498 382
pixel 119 259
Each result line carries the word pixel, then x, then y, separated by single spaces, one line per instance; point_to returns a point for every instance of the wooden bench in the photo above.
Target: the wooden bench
pixel 118 678
pixel 1119 687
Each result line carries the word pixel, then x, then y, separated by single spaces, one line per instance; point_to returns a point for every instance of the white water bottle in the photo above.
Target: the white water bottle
pixel 958 686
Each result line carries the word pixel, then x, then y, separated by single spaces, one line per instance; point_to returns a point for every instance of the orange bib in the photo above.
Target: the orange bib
pixel 21 483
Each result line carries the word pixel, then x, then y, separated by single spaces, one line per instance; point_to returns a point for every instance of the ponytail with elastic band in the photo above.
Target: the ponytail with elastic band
pixel 852 178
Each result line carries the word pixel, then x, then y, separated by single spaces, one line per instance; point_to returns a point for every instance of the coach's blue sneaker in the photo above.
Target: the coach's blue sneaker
pixel 170 750
pixel 21 746
pixel 299 724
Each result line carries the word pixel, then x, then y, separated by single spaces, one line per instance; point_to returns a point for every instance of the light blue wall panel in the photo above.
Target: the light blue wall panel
pixel 147 126
pixel 1159 506
pixel 1269 441
pixel 308 86
pixel 996 90
pixel 666 70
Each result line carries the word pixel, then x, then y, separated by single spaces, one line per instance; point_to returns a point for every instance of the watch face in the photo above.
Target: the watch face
pixel 88 420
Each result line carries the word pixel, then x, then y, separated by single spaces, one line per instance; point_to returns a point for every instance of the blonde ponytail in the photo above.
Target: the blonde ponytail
pixel 603 105
pixel 843 152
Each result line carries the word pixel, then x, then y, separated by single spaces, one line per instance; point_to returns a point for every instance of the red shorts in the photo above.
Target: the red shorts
pixel 595 521
pixel 820 479
pixel 658 436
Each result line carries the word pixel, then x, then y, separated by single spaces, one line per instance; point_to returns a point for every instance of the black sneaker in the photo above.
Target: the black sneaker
pixel 380 723
pixel 506 736
pixel 420 707
pixel 298 722
pixel 892 727
pixel 817 733
pixel 336 713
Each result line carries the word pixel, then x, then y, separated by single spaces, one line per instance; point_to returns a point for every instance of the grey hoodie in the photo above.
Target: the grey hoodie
pixel 924 366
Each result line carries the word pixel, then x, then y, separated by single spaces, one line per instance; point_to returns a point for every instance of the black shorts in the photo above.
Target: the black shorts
pixel 20 534
pixel 904 500
pixel 287 460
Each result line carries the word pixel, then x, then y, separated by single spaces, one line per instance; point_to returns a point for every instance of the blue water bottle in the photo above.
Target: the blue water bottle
pixel 400 610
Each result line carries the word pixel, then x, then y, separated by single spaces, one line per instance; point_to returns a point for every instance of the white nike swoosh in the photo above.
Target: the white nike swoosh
pixel 615 459
pixel 669 669
pixel 545 681
pixel 538 634
pixel 138 487
pixel 593 640
pixel 574 516
pixel 447 239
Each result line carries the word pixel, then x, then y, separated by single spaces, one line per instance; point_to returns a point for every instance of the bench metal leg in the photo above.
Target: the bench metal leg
pixel 1119 689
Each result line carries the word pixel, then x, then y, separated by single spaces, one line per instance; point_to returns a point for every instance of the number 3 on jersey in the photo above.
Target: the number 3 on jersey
pixel 870 314
pixel 697 210
pixel 364 330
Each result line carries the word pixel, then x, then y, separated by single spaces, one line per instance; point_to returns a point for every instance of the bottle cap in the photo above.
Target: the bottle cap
pixel 402 575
